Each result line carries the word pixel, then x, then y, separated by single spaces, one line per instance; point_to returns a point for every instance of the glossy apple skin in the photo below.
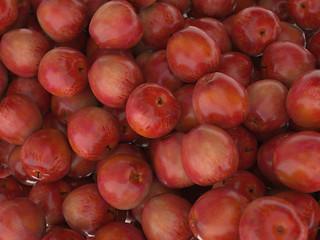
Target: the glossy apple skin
pixel 19 118
pixel 237 65
pixel 253 29
pixel 92 132
pixel 80 167
pixel 187 120
pixel 208 154
pixel 220 100
pixel 227 205
pixel 286 61
pixel 265 157
pixel 5 150
pixel 188 65
pixel 167 162
pixel 51 121
pixel 97 53
pixel 93 6
pixel 156 69
pixel 31 88
pixel 290 165
pixel 292 33
pixel 214 8
pixel 215 29
pixel 63 72
pixel 119 230
pixel 165 216
pixel 182 5
pixel 307 206
pixel 62 233
pixel 112 78
pixel 156 188
pixel 49 197
pixel 4 79
pixel 21 51
pixel 247 146
pixel 160 21
pixel 302 100
pixel 250 185
pixel 125 34
pixel 46 155
pixel 9 15
pixel 16 168
pixel 152 110
pixel 314 46
pixel 272 218
pixel 124 181
pixel 63 108
pixel 267 106
pixel 305 13
pixel 70 17
pixel 21 219
pixel 279 7
pixel 86 201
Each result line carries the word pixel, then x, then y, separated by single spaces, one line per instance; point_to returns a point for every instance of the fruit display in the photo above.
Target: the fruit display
pixel 159 120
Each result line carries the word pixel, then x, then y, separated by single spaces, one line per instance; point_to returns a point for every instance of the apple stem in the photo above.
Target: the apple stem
pixel 302 6
pixel 108 147
pixel 279 228
pixel 160 101
pixel 38 174
pixel 81 69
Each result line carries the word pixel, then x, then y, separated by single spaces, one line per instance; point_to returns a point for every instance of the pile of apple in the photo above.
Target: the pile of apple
pixel 159 119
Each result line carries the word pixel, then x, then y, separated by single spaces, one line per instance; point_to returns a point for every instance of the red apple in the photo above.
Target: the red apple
pixel 4 78
pixel 70 16
pixel 292 33
pixel 214 8
pixel 62 233
pixel 9 15
pixel 182 5
pixel 279 7
pixel 272 218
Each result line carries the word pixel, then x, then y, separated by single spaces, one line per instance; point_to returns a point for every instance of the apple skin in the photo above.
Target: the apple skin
pixel 160 21
pixel 165 216
pixel 253 29
pixel 290 165
pixel 112 78
pixel 63 72
pixel 51 121
pixel 237 65
pixel 214 8
pixel 49 197
pixel 279 7
pixel 4 79
pixel 227 205
pixel 70 17
pixel 9 15
pixel 62 233
pixel 92 132
pixel 31 88
pixel 307 206
pixel 208 154
pixel 167 162
pixel 292 33
pixel 220 100
pixel 182 5
pixel 314 46
pixel 80 167
pixel 46 155
pixel 152 110
pixel 267 106
pixel 19 118
pixel 127 31
pixel 21 51
pixel 302 102
pixel 124 181
pixel 250 185
pixel 119 230
pixel 286 61
pixel 304 13
pixel 187 120
pixel 272 218
pixel 21 218
pixel 86 201
pixel 188 65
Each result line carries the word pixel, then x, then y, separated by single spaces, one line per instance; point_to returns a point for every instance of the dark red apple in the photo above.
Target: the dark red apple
pixel 9 14
pixel 220 100
pixel 254 28
pixel 85 211
pixel 4 79
pixel 279 7
pixel 19 118
pixel 226 205
pixel 80 167
pixel 208 154
pixel 182 5
pixel 62 233
pixel 188 65
pixel 21 51
pixel 112 79
pixel 62 20
pixel 165 216
pixel 272 218
pixel 152 110
pixel 292 33
pixel 124 181
pixel 46 155
pixel 116 25
pixel 214 8
pixel 92 132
